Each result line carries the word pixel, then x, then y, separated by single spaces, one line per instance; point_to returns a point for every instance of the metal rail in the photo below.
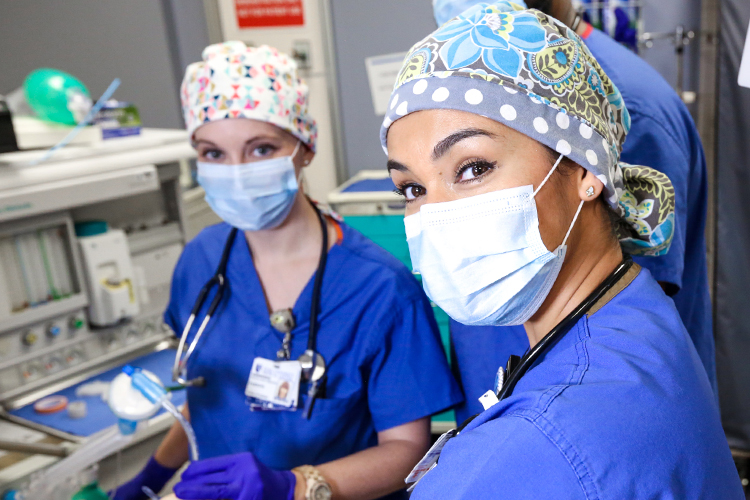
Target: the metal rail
pixel 52 450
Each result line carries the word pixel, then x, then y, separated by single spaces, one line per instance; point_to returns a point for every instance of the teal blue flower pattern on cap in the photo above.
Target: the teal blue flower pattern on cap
pixel 532 73
pixel 494 38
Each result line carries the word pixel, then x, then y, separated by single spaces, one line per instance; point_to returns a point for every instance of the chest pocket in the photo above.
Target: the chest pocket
pixel 337 427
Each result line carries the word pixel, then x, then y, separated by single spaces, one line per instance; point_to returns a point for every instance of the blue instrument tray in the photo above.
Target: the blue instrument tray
pixel 99 415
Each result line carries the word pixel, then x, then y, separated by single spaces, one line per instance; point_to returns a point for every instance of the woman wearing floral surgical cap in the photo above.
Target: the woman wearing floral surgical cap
pixel 504 136
pixel 268 426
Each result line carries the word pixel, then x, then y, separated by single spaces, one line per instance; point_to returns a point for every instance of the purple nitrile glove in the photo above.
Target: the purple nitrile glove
pixel 234 477
pixel 154 475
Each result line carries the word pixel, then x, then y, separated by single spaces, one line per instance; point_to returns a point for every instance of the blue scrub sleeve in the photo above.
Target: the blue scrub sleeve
pixel 176 296
pixel 507 458
pixel 409 374
pixel 649 143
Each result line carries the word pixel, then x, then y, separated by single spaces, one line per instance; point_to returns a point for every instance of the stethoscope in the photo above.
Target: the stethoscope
pixel 311 362
pixel 517 368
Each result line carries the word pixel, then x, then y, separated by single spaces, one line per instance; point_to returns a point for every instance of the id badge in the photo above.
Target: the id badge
pixel 429 461
pixel 273 385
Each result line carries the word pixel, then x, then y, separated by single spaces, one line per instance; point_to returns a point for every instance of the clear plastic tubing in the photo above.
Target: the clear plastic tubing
pixel 157 394
pixel 171 408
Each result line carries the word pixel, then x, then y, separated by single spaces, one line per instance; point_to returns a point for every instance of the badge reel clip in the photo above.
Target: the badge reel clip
pixel 312 364
pixel 274 385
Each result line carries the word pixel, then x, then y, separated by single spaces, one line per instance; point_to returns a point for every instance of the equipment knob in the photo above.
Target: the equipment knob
pixel 53 330
pixel 76 323
pixel 29 338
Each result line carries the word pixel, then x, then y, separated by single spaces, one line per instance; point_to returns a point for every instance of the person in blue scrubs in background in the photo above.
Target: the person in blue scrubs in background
pixel 662 136
pixel 247 113
pixel 504 136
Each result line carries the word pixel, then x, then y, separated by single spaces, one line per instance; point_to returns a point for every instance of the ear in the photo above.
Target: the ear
pixel 308 156
pixel 589 187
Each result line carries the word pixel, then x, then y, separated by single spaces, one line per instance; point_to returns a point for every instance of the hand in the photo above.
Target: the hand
pixel 154 475
pixel 234 477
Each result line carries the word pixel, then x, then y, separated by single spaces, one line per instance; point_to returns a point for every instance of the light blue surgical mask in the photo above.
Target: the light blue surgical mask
pixel 482 259
pixel 251 196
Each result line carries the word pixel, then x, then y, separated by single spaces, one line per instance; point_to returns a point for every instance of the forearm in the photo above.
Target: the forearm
pixel 371 473
pixel 173 450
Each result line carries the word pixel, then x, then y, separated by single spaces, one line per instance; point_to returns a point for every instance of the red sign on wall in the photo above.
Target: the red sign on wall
pixel 264 13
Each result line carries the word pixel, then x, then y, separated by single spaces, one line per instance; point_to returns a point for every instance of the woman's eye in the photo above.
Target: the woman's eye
pixel 212 154
pixel 474 170
pixel 264 150
pixel 411 192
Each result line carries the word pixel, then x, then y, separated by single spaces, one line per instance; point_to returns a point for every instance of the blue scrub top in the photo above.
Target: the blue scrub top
pixel 662 136
pixel 620 407
pixel 377 334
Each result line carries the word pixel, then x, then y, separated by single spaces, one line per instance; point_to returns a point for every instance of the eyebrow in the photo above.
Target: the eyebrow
pixel 444 145
pixel 249 141
pixel 394 165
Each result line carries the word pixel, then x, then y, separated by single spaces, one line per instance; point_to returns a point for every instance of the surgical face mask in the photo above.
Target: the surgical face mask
pixel 482 258
pixel 251 196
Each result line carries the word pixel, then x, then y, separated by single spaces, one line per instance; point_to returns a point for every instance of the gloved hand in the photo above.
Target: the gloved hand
pixel 154 475
pixel 234 477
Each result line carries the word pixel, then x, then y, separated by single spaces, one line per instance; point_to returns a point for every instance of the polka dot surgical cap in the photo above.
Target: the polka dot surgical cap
pixel 530 72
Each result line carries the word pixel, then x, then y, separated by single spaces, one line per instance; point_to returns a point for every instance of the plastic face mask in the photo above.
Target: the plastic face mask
pixel 482 258
pixel 251 196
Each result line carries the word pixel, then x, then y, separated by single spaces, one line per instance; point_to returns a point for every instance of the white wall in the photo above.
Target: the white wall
pixel 321 174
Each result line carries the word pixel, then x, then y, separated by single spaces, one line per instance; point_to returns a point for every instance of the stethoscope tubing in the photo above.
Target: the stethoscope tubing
pixel 318 284
pixel 179 369
pixel 219 279
pixel 557 333
pixel 563 327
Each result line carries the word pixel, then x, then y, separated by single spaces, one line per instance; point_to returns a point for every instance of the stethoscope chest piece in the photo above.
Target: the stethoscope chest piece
pixel 314 370
pixel 313 365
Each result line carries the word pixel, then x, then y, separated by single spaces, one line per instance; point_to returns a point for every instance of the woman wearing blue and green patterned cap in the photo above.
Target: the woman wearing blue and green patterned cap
pixel 504 136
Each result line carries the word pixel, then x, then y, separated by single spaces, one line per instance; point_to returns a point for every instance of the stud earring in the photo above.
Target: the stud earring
pixel 590 191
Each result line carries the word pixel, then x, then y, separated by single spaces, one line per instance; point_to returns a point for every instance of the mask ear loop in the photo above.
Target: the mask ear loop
pixel 580 205
pixel 575 218
pixel 300 178
pixel 296 150
pixel 554 167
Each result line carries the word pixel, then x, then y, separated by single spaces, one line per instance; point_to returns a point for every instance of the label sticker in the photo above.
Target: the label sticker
pixel 273 385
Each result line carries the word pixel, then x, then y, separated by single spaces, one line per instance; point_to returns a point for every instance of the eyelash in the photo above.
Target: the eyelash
pixel 270 147
pixel 473 163
pixel 207 152
pixel 401 190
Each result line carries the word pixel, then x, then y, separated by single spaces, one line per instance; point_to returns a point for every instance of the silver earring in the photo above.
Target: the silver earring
pixel 307 162
pixel 590 191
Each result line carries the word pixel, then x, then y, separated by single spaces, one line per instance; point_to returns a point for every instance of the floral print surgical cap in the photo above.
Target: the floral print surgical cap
pixel 236 81
pixel 532 73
